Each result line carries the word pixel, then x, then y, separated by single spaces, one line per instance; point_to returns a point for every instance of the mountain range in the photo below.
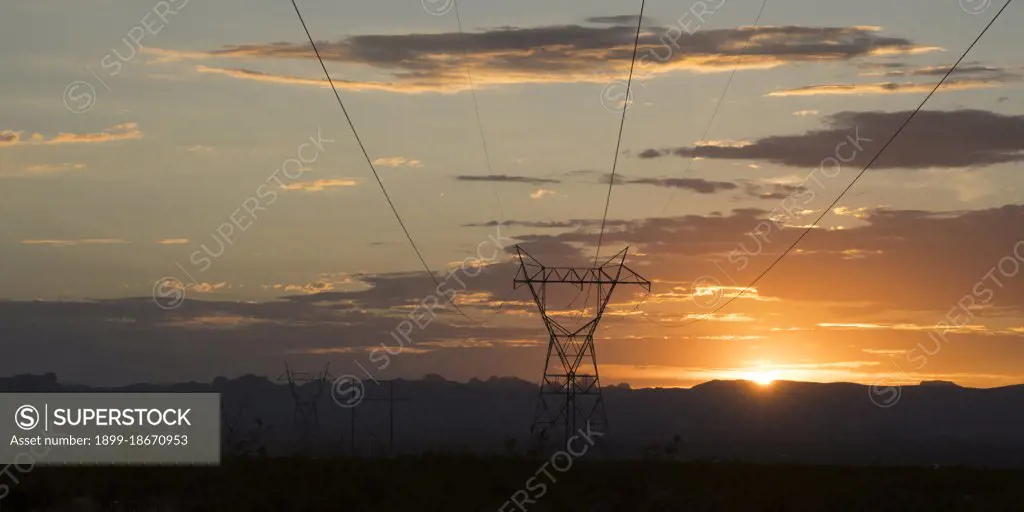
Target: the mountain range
pixel 933 423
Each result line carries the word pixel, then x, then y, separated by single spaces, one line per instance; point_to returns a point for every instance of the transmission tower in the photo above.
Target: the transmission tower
pixel 570 391
pixel 306 389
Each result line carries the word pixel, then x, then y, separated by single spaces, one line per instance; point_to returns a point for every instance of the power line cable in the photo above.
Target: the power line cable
pixel 369 162
pixel 714 114
pixel 622 124
pixel 618 145
pixel 476 108
pixel 826 211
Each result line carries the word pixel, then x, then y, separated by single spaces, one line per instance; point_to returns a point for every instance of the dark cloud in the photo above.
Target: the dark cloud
pixel 965 77
pixel 876 66
pixel 960 138
pixel 507 179
pixel 697 185
pixel 569 53
pixel 132 339
pixel 622 19
pixel 566 224
pixel 620 179
pixel 582 172
pixel 700 186
pixel 890 87
pixel 773 190
pixel 972 69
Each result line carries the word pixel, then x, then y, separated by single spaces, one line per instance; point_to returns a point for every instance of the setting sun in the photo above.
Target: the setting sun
pixel 764 378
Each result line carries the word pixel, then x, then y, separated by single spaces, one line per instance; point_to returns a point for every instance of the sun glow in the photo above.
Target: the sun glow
pixel 761 377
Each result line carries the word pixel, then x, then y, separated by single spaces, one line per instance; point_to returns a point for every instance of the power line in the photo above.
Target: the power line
pixel 476 109
pixel 370 162
pixel 622 124
pixel 714 114
pixel 480 128
pixel 615 160
pixel 861 173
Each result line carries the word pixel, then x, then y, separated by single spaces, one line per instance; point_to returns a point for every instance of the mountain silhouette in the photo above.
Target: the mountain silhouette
pixel 934 423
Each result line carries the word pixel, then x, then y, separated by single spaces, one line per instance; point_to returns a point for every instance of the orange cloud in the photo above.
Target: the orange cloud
pixel 884 88
pixel 271 78
pixel 320 185
pixel 217 321
pixel 541 193
pixel 397 161
pixel 904 327
pixel 124 131
pixel 208 287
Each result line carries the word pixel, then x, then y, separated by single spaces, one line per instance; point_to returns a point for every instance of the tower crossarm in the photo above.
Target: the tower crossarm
pixel 613 272
pixel 626 275
pixel 579 276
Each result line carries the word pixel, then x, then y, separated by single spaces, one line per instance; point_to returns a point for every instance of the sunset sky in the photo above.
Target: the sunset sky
pixel 123 163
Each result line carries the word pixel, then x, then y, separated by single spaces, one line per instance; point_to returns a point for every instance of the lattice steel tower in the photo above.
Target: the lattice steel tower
pixel 307 400
pixel 570 392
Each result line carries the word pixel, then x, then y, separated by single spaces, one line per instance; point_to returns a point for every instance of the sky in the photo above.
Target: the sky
pixel 182 197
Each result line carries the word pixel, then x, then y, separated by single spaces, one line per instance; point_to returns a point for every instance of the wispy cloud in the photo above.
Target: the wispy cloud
pixel 769 190
pixel 208 287
pixel 698 185
pixel 885 88
pixel 969 76
pixel 353 85
pixel 260 76
pixel 124 131
pixel 71 243
pixel 318 287
pixel 541 193
pixel 44 169
pixel 903 327
pixel 320 185
pixel 974 69
pixel 507 179
pixel 217 321
pixel 397 161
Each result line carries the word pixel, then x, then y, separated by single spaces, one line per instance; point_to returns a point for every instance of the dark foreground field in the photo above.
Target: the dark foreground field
pixel 484 484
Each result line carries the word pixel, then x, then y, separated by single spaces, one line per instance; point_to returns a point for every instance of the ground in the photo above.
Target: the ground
pixel 456 483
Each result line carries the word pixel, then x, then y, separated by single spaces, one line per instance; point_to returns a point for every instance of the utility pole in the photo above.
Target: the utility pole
pixel 391 418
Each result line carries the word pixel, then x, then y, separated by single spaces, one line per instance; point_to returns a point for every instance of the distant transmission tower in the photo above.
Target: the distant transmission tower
pixel 570 392
pixel 307 399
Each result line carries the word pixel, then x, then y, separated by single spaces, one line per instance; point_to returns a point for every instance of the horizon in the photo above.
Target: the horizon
pixel 762 383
